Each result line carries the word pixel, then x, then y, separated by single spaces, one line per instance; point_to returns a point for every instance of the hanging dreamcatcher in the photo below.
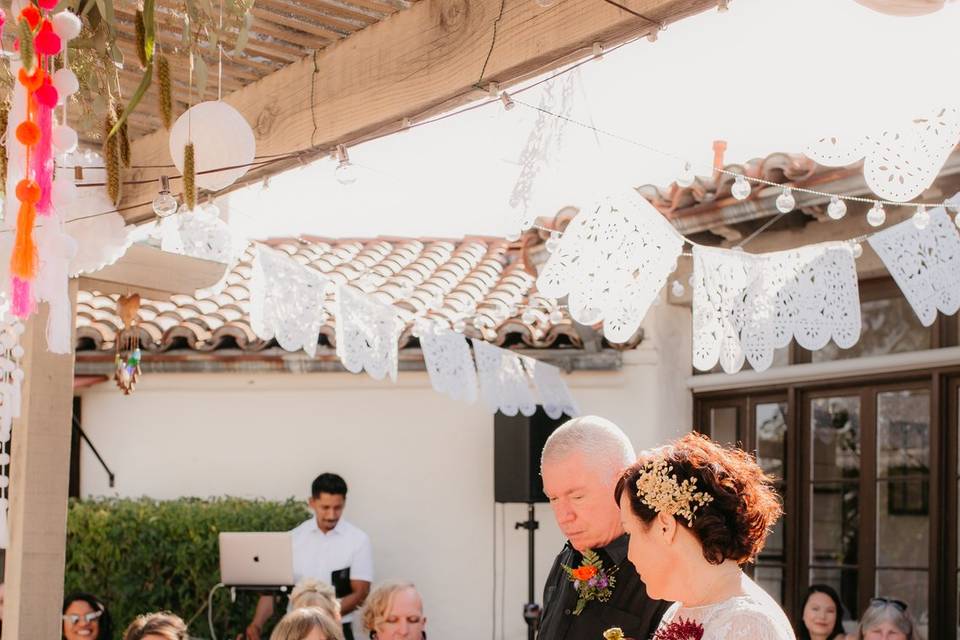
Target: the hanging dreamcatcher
pixel 127 359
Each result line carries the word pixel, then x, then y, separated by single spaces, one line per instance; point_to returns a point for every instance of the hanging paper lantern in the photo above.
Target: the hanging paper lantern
pixel 66 25
pixel 221 137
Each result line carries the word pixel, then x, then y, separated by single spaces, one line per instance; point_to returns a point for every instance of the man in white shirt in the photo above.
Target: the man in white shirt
pixel 330 549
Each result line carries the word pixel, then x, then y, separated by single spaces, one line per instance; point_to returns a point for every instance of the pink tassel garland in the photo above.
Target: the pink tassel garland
pixel 43 160
pixel 22 303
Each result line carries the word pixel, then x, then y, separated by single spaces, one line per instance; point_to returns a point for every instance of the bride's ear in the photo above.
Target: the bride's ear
pixel 666 527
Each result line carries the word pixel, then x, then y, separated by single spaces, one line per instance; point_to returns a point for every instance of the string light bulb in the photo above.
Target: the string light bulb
pixel 507 101
pixel 786 202
pixel 344 173
pixel 956 219
pixel 164 204
pixel 857 250
pixel 677 289
pixel 723 6
pixel 837 208
pixel 556 316
pixel 529 316
pixel 513 236
pixel 921 219
pixel 553 242
pixel 876 216
pixel 686 177
pixel 741 188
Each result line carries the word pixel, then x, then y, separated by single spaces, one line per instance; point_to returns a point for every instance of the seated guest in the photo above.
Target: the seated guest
pixel 157 626
pixel 313 593
pixel 887 619
pixel 822 615
pixel 394 611
pixel 310 623
pixel 86 618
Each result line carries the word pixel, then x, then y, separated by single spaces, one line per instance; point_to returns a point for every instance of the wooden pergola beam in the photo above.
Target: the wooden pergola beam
pixel 423 60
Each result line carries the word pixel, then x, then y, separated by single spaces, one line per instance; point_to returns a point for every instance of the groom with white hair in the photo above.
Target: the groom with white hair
pixel 599 588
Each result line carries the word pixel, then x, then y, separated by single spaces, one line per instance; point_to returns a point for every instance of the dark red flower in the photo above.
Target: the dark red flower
pixel 680 630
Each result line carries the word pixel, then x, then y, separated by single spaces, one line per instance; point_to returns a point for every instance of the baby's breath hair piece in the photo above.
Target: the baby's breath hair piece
pixel 659 489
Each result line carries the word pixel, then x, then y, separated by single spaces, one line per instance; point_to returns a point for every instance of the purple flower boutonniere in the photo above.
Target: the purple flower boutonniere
pixel 591 580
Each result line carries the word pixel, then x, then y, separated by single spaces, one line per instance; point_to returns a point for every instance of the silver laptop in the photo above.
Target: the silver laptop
pixel 256 559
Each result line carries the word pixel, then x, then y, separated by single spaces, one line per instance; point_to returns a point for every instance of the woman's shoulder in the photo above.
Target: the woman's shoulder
pixel 748 618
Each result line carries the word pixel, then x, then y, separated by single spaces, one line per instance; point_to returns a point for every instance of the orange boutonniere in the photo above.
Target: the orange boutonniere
pixel 591 580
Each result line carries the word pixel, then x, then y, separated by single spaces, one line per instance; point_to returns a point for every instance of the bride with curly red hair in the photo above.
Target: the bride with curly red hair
pixel 696 512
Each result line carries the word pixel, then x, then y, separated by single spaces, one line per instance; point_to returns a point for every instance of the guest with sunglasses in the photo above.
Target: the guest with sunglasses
pixel 887 619
pixel 85 617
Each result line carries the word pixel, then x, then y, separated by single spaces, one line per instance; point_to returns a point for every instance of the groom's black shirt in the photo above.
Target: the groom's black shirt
pixel 628 608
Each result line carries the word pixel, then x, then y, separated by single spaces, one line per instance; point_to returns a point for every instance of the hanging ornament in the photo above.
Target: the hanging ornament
pixel 837 208
pixel 127 357
pixel 111 156
pixel 786 202
pixel 740 189
pixel 164 91
pixel 876 216
pixel 67 25
pixel 189 177
pixel 686 177
pixel 921 219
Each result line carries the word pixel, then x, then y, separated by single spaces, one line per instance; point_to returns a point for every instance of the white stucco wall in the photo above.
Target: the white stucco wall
pixel 419 465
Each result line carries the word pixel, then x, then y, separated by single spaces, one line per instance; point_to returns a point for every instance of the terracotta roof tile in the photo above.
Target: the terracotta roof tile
pixel 473 278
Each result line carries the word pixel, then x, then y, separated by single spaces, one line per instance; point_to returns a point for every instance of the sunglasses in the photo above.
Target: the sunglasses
pixel 74 618
pixel 899 604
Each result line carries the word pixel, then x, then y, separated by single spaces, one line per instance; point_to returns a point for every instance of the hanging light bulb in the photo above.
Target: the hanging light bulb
pixel 837 208
pixel 478 323
pixel 513 236
pixel 459 325
pixel 677 289
pixel 686 177
pixel 921 219
pixel 507 101
pixel 857 249
pixel 553 242
pixel 164 204
pixel 876 216
pixel 529 316
pixel 556 316
pixel 786 202
pixel 741 188
pixel 723 6
pixel 956 219
pixel 344 172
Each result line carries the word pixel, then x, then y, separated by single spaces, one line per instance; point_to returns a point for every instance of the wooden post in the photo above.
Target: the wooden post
pixel 40 470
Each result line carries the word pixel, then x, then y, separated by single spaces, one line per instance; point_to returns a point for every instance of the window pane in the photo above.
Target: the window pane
pixel 835 424
pixel 835 525
pixel 888 326
pixel 903 433
pixel 770 580
pixel 909 586
pixel 903 523
pixel 771 421
pixel 723 425
pixel 844 582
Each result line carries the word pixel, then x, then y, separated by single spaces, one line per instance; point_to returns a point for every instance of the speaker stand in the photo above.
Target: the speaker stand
pixel 531 610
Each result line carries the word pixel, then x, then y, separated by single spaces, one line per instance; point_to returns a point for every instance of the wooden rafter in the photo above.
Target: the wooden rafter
pixel 423 60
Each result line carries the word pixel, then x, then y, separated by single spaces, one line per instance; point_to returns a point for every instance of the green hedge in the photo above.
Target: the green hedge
pixel 146 555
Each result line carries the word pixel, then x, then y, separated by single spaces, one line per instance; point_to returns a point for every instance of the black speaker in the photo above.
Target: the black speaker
pixel 517 443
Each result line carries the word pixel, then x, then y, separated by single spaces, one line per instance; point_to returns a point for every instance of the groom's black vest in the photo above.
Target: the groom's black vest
pixel 628 608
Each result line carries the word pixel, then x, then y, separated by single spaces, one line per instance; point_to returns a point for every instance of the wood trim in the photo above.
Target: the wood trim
pixel 951 473
pixel 437 50
pixel 936 534
pixel 867 557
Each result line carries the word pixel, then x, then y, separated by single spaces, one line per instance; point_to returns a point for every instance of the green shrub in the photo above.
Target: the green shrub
pixel 146 555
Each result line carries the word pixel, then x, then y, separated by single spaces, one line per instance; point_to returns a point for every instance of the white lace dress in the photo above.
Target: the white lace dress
pixel 752 616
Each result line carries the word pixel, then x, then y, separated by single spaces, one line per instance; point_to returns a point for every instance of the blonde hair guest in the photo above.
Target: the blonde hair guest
pixel 156 626
pixel 313 593
pixel 394 611
pixel 310 623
